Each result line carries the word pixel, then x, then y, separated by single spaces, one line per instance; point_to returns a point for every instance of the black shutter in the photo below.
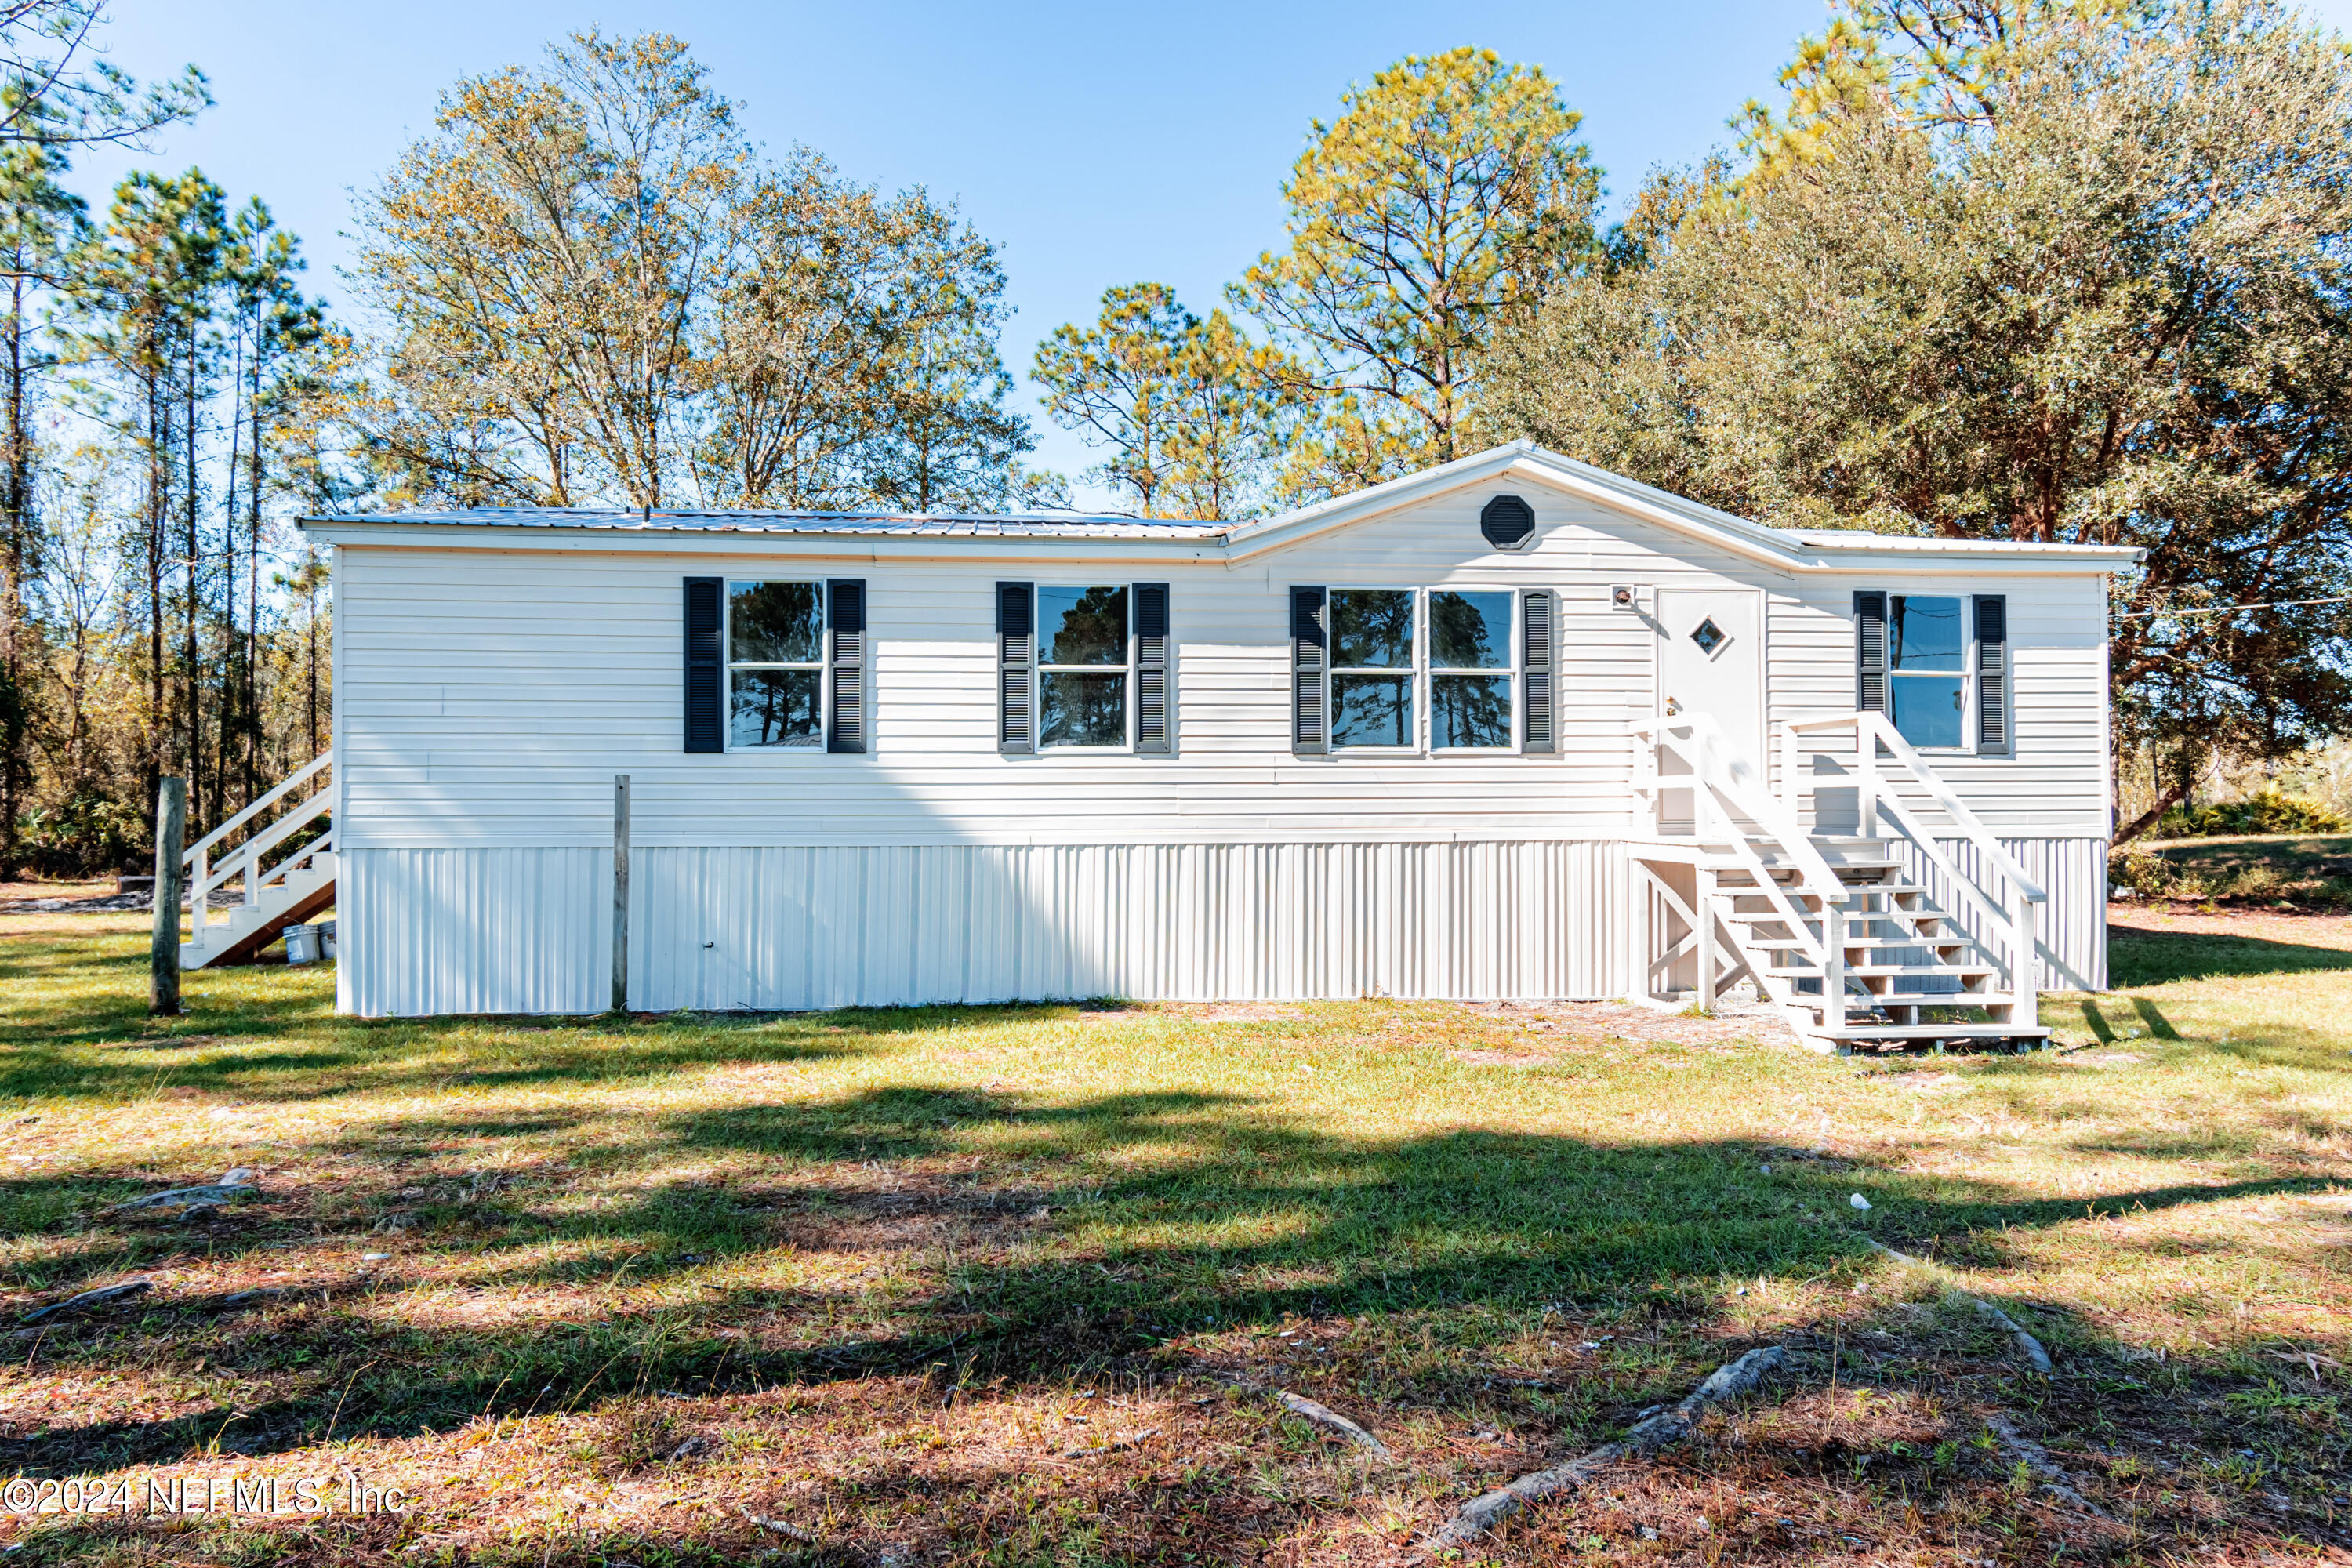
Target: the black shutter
pixel 1016 654
pixel 1870 652
pixel 1152 719
pixel 845 630
pixel 1310 720
pixel 705 665
pixel 1537 731
pixel 1993 673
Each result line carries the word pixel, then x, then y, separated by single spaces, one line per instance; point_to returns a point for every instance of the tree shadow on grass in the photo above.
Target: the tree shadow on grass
pixel 899 1231
pixel 273 1058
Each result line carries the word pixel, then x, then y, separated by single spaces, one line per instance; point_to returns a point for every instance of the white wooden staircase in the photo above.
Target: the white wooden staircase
pixel 1832 929
pixel 276 893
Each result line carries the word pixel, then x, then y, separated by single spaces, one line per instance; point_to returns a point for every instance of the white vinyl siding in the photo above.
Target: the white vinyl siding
pixel 488 697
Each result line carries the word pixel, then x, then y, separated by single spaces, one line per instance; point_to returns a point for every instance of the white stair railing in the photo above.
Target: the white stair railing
pixel 245 860
pixel 1877 800
pixel 1728 799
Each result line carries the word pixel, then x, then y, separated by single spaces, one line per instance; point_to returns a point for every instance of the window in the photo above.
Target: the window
pixel 1469 635
pixel 1927 684
pixel 1392 650
pixel 1938 666
pixel 1372 667
pixel 775 669
pixel 1082 666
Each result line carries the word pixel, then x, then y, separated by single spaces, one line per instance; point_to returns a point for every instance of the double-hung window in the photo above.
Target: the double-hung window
pixel 1082 666
pixel 1936 665
pixel 775 666
pixel 1411 669
pixel 1926 686
pixel 1084 669
pixel 1373 644
pixel 1469 670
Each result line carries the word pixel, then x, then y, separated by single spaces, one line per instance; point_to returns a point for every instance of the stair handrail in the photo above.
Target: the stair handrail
pixel 1970 824
pixel 276 794
pixel 203 878
pixel 1874 729
pixel 1784 825
pixel 1716 771
pixel 251 851
pixel 322 844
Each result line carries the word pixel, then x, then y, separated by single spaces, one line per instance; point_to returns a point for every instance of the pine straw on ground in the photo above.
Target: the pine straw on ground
pixel 1021 1285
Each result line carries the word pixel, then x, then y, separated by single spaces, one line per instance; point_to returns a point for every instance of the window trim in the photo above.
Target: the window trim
pixel 1039 669
pixel 728 664
pixel 1421 675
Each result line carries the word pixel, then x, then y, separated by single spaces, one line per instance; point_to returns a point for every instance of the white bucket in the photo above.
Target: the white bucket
pixel 326 938
pixel 302 944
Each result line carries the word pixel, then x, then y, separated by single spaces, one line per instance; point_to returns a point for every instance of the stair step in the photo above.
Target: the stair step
pixel 1812 919
pixel 1931 1031
pixel 1892 970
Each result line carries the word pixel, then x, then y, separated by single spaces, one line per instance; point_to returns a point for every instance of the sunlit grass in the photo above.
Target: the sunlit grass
pixel 577 1215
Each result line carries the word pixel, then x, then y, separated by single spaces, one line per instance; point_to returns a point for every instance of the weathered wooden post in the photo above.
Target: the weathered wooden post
pixel 163 951
pixel 620 892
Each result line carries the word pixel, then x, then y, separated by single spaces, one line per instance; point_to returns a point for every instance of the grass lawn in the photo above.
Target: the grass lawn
pixel 1020 1284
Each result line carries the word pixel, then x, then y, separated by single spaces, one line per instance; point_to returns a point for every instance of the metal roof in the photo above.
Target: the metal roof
pixel 663 519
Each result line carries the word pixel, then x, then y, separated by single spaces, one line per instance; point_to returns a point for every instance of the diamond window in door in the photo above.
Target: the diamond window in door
pixel 1709 636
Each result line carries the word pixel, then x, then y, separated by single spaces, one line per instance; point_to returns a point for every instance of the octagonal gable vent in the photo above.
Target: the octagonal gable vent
pixel 1507 522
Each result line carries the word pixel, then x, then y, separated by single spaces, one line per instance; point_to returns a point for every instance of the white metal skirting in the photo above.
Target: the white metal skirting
pixel 2070 929
pixel 792 928
pixel 530 930
pixel 474 930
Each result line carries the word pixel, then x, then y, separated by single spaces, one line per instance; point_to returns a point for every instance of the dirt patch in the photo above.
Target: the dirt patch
pixel 1232 1012
pixel 2180 919
pixel 1734 1023
pixel 2102 1058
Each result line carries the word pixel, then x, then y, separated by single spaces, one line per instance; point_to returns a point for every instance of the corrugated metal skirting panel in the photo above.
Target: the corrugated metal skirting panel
pixel 474 930
pixel 529 930
pixel 722 929
pixel 823 927
pixel 2070 929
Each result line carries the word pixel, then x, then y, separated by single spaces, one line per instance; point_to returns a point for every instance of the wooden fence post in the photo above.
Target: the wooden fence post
pixel 164 950
pixel 620 892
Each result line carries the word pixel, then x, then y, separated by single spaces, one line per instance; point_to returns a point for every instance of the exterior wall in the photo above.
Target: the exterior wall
pixel 488 690
pixel 487 695
pixel 778 927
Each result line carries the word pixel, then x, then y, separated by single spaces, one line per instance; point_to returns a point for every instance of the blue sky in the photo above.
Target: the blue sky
pixel 1097 144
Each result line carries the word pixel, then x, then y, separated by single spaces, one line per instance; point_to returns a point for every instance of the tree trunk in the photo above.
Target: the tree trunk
pixel 2171 795
pixel 12 593
pixel 157 505
pixel 196 556
pixel 253 590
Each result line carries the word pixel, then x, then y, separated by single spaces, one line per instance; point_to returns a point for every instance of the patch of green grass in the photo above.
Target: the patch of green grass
pixel 891 1268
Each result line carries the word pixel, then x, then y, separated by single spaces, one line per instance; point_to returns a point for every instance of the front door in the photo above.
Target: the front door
pixel 1711 661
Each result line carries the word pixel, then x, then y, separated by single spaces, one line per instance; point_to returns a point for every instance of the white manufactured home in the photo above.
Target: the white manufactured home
pixel 1512 728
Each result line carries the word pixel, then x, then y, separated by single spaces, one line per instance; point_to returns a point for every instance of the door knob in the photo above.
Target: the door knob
pixel 1673 707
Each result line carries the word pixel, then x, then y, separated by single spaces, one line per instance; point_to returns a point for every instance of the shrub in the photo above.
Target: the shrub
pixel 2266 812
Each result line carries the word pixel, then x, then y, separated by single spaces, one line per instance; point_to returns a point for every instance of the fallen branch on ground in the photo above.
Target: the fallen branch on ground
pixel 103 1296
pixel 1113 1447
pixel 1324 1415
pixel 1729 1381
pixel 210 1193
pixel 2027 1345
